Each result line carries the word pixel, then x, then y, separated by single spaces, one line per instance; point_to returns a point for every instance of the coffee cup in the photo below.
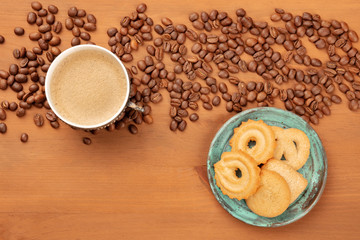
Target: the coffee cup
pixel 88 87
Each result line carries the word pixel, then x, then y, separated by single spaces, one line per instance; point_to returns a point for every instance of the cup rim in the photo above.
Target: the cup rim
pixel 49 78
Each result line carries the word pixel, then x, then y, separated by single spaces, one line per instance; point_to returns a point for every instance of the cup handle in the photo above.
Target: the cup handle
pixel 134 106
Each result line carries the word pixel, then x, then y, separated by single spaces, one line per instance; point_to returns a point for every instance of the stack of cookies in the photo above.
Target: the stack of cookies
pixel 262 167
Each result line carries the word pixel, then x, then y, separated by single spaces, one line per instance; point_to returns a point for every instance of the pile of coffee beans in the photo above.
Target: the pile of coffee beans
pixel 220 41
pixel 207 54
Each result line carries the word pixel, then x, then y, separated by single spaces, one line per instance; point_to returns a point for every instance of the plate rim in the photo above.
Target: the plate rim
pixel 320 190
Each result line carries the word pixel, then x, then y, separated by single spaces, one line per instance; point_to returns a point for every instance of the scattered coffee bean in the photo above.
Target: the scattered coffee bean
pixel 55 124
pixel 19 31
pixel 86 141
pixel 194 117
pixel 72 12
pixel 3 128
pixel 353 105
pixel 2 114
pixel 31 17
pixel 20 112
pixel 36 5
pixel 38 120
pixel 24 137
pixel 53 9
pixel 133 129
pixel 182 125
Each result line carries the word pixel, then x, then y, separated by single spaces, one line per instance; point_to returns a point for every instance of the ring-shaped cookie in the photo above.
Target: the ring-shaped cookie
pixel 256 131
pixel 227 180
pixel 295 155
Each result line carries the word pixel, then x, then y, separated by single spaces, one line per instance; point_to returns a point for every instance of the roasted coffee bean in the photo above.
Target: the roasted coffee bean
pixel 13 106
pixel 216 101
pixel 24 137
pixel 53 9
pixel 314 119
pixel 38 120
pixel 3 128
pixel 19 31
pixel 69 23
pixel 72 12
pixel 229 106
pixel 193 117
pixel 43 44
pixel 3 84
pixel 182 125
pixel 48 36
pixel 42 13
pixel 299 110
pixel 55 124
pixel 353 105
pixel 85 36
pixel 326 110
pixel 44 28
pixel 336 99
pixel 288 105
pixel 251 86
pixel 2 114
pixel 50 19
pixel 79 22
pixel 86 140
pixel 283 95
pixel 133 129
pixel 159 29
pixel 34 36
pixel 261 96
pixel 16 53
pixel 193 16
pixel 205 98
pixel 251 96
pixel 156 97
pixel 223 88
pixel 275 17
pixel 198 25
pixel 51 116
pixel 5 104
pixel 353 37
pixel 316 90
pixel 20 112
pixel 39 98
pixel 13 69
pixel 31 17
pixel 259 86
pixel 343 88
pixel 290 93
pixel 173 125
pixel 90 27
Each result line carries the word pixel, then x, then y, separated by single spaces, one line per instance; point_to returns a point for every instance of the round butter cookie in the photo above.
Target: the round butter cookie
pixel 272 197
pixel 297 183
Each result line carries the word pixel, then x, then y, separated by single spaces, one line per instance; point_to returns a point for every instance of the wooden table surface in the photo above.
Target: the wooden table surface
pixel 153 185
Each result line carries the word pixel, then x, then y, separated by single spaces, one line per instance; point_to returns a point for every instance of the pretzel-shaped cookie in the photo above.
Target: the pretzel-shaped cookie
pixel 227 180
pixel 256 131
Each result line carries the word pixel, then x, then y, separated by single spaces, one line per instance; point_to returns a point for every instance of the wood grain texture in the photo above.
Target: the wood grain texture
pixel 153 185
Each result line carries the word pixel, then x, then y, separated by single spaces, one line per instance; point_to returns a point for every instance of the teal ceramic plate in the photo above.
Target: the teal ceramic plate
pixel 315 169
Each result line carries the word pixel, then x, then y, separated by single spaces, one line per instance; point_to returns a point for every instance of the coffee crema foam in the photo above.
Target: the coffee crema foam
pixel 88 87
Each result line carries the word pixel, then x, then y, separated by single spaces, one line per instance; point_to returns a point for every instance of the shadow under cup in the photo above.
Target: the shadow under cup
pixel 87 87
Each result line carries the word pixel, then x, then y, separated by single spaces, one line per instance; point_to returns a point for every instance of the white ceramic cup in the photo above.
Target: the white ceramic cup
pixel 53 68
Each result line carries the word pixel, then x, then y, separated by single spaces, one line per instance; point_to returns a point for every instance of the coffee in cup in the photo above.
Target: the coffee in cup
pixel 87 87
